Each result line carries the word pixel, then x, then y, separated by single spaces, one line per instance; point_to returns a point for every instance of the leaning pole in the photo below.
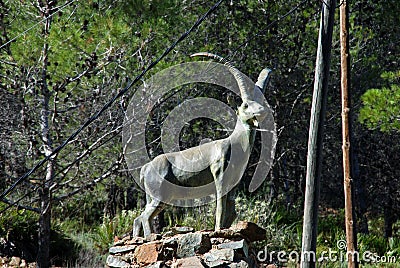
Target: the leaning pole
pixel 315 138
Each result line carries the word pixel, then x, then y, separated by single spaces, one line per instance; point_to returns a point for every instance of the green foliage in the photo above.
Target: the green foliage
pixel 96 240
pixel 254 210
pixel 330 228
pixel 86 251
pixel 381 107
pixel 20 225
pixel 393 246
pixel 373 243
pixel 103 236
pixel 200 218
pixel 283 227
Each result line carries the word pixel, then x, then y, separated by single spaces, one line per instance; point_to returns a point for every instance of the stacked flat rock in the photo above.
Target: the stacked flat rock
pixel 182 247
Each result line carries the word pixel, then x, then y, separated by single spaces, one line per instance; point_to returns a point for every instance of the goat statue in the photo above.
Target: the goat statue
pixel 226 161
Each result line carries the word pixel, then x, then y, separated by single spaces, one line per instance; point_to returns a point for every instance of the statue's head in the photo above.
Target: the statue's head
pixel 251 112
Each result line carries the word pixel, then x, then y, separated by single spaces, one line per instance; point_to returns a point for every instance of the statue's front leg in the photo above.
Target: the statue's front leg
pixel 220 212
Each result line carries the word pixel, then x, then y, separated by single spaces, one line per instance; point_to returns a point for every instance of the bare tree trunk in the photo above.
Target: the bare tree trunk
pixel 135 199
pixel 351 234
pixel 388 212
pixel 45 202
pixel 273 192
pixel 2 171
pixel 360 194
pixel 3 34
pixel 115 200
pixel 314 155
pixel 43 257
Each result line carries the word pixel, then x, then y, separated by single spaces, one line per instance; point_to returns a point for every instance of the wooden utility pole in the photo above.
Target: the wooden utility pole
pixel 351 236
pixel 315 138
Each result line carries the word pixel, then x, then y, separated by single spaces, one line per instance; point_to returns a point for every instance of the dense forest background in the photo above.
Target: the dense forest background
pixel 62 61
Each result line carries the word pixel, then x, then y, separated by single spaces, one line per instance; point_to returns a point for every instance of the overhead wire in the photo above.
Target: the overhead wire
pixel 112 100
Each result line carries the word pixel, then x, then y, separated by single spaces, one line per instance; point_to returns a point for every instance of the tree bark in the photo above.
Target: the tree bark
pixel 2 171
pixel 43 256
pixel 135 199
pixel 360 194
pixel 115 200
pixel 315 139
pixel 351 235
pixel 388 217
pixel 388 212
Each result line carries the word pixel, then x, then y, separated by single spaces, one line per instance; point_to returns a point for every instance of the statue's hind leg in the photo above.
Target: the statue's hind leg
pixel 151 210
pixel 137 225
pixel 230 210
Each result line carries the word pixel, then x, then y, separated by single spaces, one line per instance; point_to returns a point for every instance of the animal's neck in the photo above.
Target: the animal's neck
pixel 241 134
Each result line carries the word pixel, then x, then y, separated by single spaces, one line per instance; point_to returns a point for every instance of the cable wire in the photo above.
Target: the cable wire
pixel 111 101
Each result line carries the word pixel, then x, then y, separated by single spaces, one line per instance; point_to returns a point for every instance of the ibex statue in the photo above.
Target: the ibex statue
pixel 233 151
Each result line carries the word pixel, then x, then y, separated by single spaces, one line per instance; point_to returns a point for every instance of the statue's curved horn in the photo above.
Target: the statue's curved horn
pixel 246 94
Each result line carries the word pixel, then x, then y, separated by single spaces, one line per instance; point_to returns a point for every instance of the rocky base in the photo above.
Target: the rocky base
pixel 15 262
pixel 182 247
